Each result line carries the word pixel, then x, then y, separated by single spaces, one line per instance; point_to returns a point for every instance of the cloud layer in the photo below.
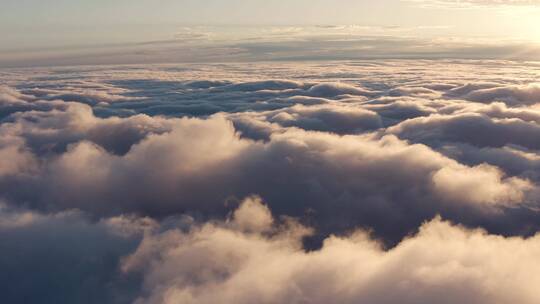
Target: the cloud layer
pixel 291 43
pixel 149 182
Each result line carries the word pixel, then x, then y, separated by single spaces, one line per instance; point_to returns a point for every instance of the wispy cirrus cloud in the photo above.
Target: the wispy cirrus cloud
pixel 281 43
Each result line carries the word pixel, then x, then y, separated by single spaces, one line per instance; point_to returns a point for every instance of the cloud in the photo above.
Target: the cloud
pixel 252 215
pixel 512 95
pixel 177 161
pixel 64 257
pixel 482 184
pixel 17 160
pixel 256 44
pixel 311 169
pixel 330 90
pixel 341 145
pixel 475 129
pixel 53 130
pixel 340 119
pixel 443 262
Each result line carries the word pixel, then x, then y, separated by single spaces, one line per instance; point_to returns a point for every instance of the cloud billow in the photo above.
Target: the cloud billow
pixel 221 261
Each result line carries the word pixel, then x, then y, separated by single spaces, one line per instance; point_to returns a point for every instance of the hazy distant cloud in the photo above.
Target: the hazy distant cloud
pixel 274 43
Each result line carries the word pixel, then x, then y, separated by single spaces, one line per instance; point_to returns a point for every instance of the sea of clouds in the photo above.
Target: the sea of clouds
pixel 394 181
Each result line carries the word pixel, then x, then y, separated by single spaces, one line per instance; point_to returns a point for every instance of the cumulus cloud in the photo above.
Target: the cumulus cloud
pixel 53 130
pixel 346 118
pixel 216 262
pixel 311 169
pixel 252 215
pixel 483 184
pixel 471 128
pixel 512 95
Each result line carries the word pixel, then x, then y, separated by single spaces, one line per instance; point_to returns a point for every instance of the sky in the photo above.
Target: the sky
pixel 36 31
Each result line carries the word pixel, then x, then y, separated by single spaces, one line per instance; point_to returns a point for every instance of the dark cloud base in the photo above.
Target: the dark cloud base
pixel 168 184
